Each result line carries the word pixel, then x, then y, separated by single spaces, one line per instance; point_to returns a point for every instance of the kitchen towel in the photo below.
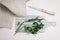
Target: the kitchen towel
pixel 18 7
pixel 6 17
pixel 10 9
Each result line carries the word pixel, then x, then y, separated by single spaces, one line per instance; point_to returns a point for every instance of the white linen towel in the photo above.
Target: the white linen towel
pixel 6 17
pixel 8 8
pixel 18 7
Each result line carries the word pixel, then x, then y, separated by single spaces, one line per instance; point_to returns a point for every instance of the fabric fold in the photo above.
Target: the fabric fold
pixel 9 9
pixel 18 7
pixel 6 17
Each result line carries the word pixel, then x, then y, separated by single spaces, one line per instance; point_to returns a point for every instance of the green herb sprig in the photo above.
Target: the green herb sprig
pixel 35 27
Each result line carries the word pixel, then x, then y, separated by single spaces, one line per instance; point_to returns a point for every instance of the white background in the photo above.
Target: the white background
pixel 51 33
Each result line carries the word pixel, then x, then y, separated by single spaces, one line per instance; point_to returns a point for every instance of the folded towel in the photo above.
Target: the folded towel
pixel 8 8
pixel 6 17
pixel 18 7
